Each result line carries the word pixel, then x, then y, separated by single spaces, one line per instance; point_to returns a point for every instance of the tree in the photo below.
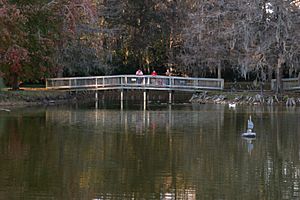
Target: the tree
pixel 12 42
pixel 269 34
pixel 176 16
pixel 29 33
pixel 207 35
pixel 286 36
pixel 75 53
pixel 146 37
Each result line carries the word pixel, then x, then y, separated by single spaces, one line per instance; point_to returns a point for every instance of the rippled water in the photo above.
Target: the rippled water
pixel 165 152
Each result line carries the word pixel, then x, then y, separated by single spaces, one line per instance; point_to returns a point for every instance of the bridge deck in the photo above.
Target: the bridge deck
pixel 135 82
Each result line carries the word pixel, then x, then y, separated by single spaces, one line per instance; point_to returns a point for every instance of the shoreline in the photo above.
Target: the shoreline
pixel 37 97
pixel 54 97
pixel 246 98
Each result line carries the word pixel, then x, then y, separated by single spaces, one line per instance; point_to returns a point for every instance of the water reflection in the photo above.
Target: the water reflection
pixel 188 152
pixel 250 144
pixel 139 121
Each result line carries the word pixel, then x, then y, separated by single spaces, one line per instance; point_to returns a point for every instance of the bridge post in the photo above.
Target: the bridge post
pixel 96 104
pixel 145 96
pixel 96 91
pixel 122 99
pixel 170 97
pixel 96 95
pixel 222 84
pixel 145 99
pixel 122 96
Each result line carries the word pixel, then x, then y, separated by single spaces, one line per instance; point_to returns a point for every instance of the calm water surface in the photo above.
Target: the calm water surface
pixel 165 152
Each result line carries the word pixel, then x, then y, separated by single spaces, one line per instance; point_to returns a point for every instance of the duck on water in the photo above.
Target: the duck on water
pixel 249 133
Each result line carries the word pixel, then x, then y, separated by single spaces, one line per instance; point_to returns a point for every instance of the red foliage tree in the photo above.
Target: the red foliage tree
pixel 15 56
pixel 12 38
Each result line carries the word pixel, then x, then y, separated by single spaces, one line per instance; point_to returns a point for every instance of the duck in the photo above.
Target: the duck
pixel 232 105
pixel 4 109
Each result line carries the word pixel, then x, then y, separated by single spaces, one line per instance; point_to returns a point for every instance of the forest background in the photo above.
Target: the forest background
pixel 233 39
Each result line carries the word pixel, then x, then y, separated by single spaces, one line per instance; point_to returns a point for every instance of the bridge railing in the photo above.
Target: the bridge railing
pixel 133 81
pixel 288 84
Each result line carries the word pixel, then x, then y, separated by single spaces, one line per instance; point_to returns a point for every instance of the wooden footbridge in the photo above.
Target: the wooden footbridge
pixel 133 82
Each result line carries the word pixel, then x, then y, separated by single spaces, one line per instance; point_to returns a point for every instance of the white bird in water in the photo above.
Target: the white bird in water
pixel 232 105
pixel 4 109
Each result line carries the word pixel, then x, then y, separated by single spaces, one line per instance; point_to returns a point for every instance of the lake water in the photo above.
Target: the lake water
pixel 164 152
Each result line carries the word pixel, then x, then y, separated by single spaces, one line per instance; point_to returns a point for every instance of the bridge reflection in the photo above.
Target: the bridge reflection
pixel 139 121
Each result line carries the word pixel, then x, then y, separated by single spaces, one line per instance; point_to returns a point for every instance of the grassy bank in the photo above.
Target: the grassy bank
pixel 34 97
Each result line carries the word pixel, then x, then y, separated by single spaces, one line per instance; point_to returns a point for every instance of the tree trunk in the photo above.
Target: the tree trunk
pixel 15 82
pixel 196 72
pixel 279 84
pixel 270 73
pixel 219 70
pixel 1 83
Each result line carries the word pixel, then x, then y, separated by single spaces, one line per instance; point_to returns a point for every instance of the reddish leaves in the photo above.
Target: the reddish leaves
pixel 14 56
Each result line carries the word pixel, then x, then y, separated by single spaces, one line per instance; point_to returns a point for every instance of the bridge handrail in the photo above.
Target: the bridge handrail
pixel 134 76
pixel 123 81
pixel 288 84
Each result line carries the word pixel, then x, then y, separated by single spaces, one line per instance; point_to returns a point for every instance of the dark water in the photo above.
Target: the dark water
pixel 177 152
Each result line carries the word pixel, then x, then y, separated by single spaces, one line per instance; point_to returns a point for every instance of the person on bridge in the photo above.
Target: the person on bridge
pixel 139 72
pixel 168 72
pixel 154 73
pixel 154 81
